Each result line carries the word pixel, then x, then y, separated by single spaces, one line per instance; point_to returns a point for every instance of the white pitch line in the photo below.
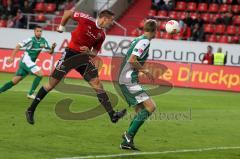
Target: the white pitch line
pixel 152 153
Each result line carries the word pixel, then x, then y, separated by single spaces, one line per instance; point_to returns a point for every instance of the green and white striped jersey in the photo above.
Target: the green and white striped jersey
pixel 34 46
pixel 140 48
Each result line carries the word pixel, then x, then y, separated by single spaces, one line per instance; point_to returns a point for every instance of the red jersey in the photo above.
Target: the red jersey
pixel 209 58
pixel 87 33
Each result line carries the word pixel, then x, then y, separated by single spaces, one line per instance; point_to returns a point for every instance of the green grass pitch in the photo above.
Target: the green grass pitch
pixel 215 122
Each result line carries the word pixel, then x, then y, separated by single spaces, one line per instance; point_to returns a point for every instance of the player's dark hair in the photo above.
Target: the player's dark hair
pixel 210 47
pixel 106 13
pixel 150 25
pixel 37 26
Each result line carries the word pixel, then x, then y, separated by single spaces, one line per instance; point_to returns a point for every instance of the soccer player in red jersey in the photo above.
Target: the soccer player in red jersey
pixel 86 41
pixel 208 57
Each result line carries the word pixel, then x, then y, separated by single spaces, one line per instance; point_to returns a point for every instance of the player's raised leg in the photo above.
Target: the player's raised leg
pixel 143 111
pixel 103 98
pixel 15 80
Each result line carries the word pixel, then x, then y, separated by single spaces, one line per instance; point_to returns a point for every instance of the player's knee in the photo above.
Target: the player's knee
pixel 96 84
pixel 153 108
pixel 16 81
pixel 48 87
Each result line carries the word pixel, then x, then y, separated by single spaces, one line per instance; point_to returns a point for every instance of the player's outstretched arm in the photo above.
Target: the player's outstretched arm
pixel 66 16
pixel 15 51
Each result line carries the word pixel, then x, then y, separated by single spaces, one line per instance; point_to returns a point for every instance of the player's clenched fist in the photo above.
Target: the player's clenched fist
pixel 54 45
pixel 60 29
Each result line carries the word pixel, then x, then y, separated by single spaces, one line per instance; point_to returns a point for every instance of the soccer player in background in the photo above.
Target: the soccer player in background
pixel 86 41
pixel 27 65
pixel 128 80
pixel 208 57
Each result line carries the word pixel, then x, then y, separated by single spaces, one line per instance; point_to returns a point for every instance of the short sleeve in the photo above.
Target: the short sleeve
pixel 140 47
pixel 26 42
pixel 78 16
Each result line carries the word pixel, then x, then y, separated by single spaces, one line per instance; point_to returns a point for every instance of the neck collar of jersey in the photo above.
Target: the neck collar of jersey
pixel 96 22
pixel 37 38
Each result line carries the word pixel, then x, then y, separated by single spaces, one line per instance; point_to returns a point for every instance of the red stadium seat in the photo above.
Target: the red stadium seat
pixel 177 36
pixel 182 15
pixel 206 17
pixel 40 7
pixel 162 13
pixel 191 6
pixel 220 29
pixel 136 32
pixel 211 38
pixel 173 15
pixel 141 24
pixel 236 8
pixel 208 28
pixel 50 7
pixel 3 23
pixel 236 20
pixel 40 18
pixel 151 13
pixel 229 1
pixel 181 6
pixel 223 39
pixel 48 27
pixel 213 8
pixel 162 25
pixel 60 13
pixel 214 17
pixel 57 20
pixel 231 30
pixel 158 35
pixel 234 39
pixel 165 35
pixel 223 8
pixel 194 15
pixel 202 7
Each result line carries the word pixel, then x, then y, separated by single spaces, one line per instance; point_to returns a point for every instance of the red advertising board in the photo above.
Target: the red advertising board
pixel 178 74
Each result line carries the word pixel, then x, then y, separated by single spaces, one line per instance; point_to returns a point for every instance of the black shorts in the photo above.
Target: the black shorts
pixel 81 62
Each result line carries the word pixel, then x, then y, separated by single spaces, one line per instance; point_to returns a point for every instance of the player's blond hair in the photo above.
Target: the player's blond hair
pixel 150 25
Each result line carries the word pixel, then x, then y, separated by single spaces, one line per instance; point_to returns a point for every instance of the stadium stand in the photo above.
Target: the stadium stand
pixel 220 21
pixel 14 12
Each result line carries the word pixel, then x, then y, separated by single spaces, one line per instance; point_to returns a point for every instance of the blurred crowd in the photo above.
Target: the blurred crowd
pixel 11 11
pixel 192 28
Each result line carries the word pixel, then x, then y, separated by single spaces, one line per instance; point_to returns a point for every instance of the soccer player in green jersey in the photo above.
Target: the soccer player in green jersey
pixel 27 65
pixel 128 81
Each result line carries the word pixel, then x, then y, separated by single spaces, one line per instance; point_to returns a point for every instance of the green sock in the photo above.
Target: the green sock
pixel 133 120
pixel 35 84
pixel 6 86
pixel 137 122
